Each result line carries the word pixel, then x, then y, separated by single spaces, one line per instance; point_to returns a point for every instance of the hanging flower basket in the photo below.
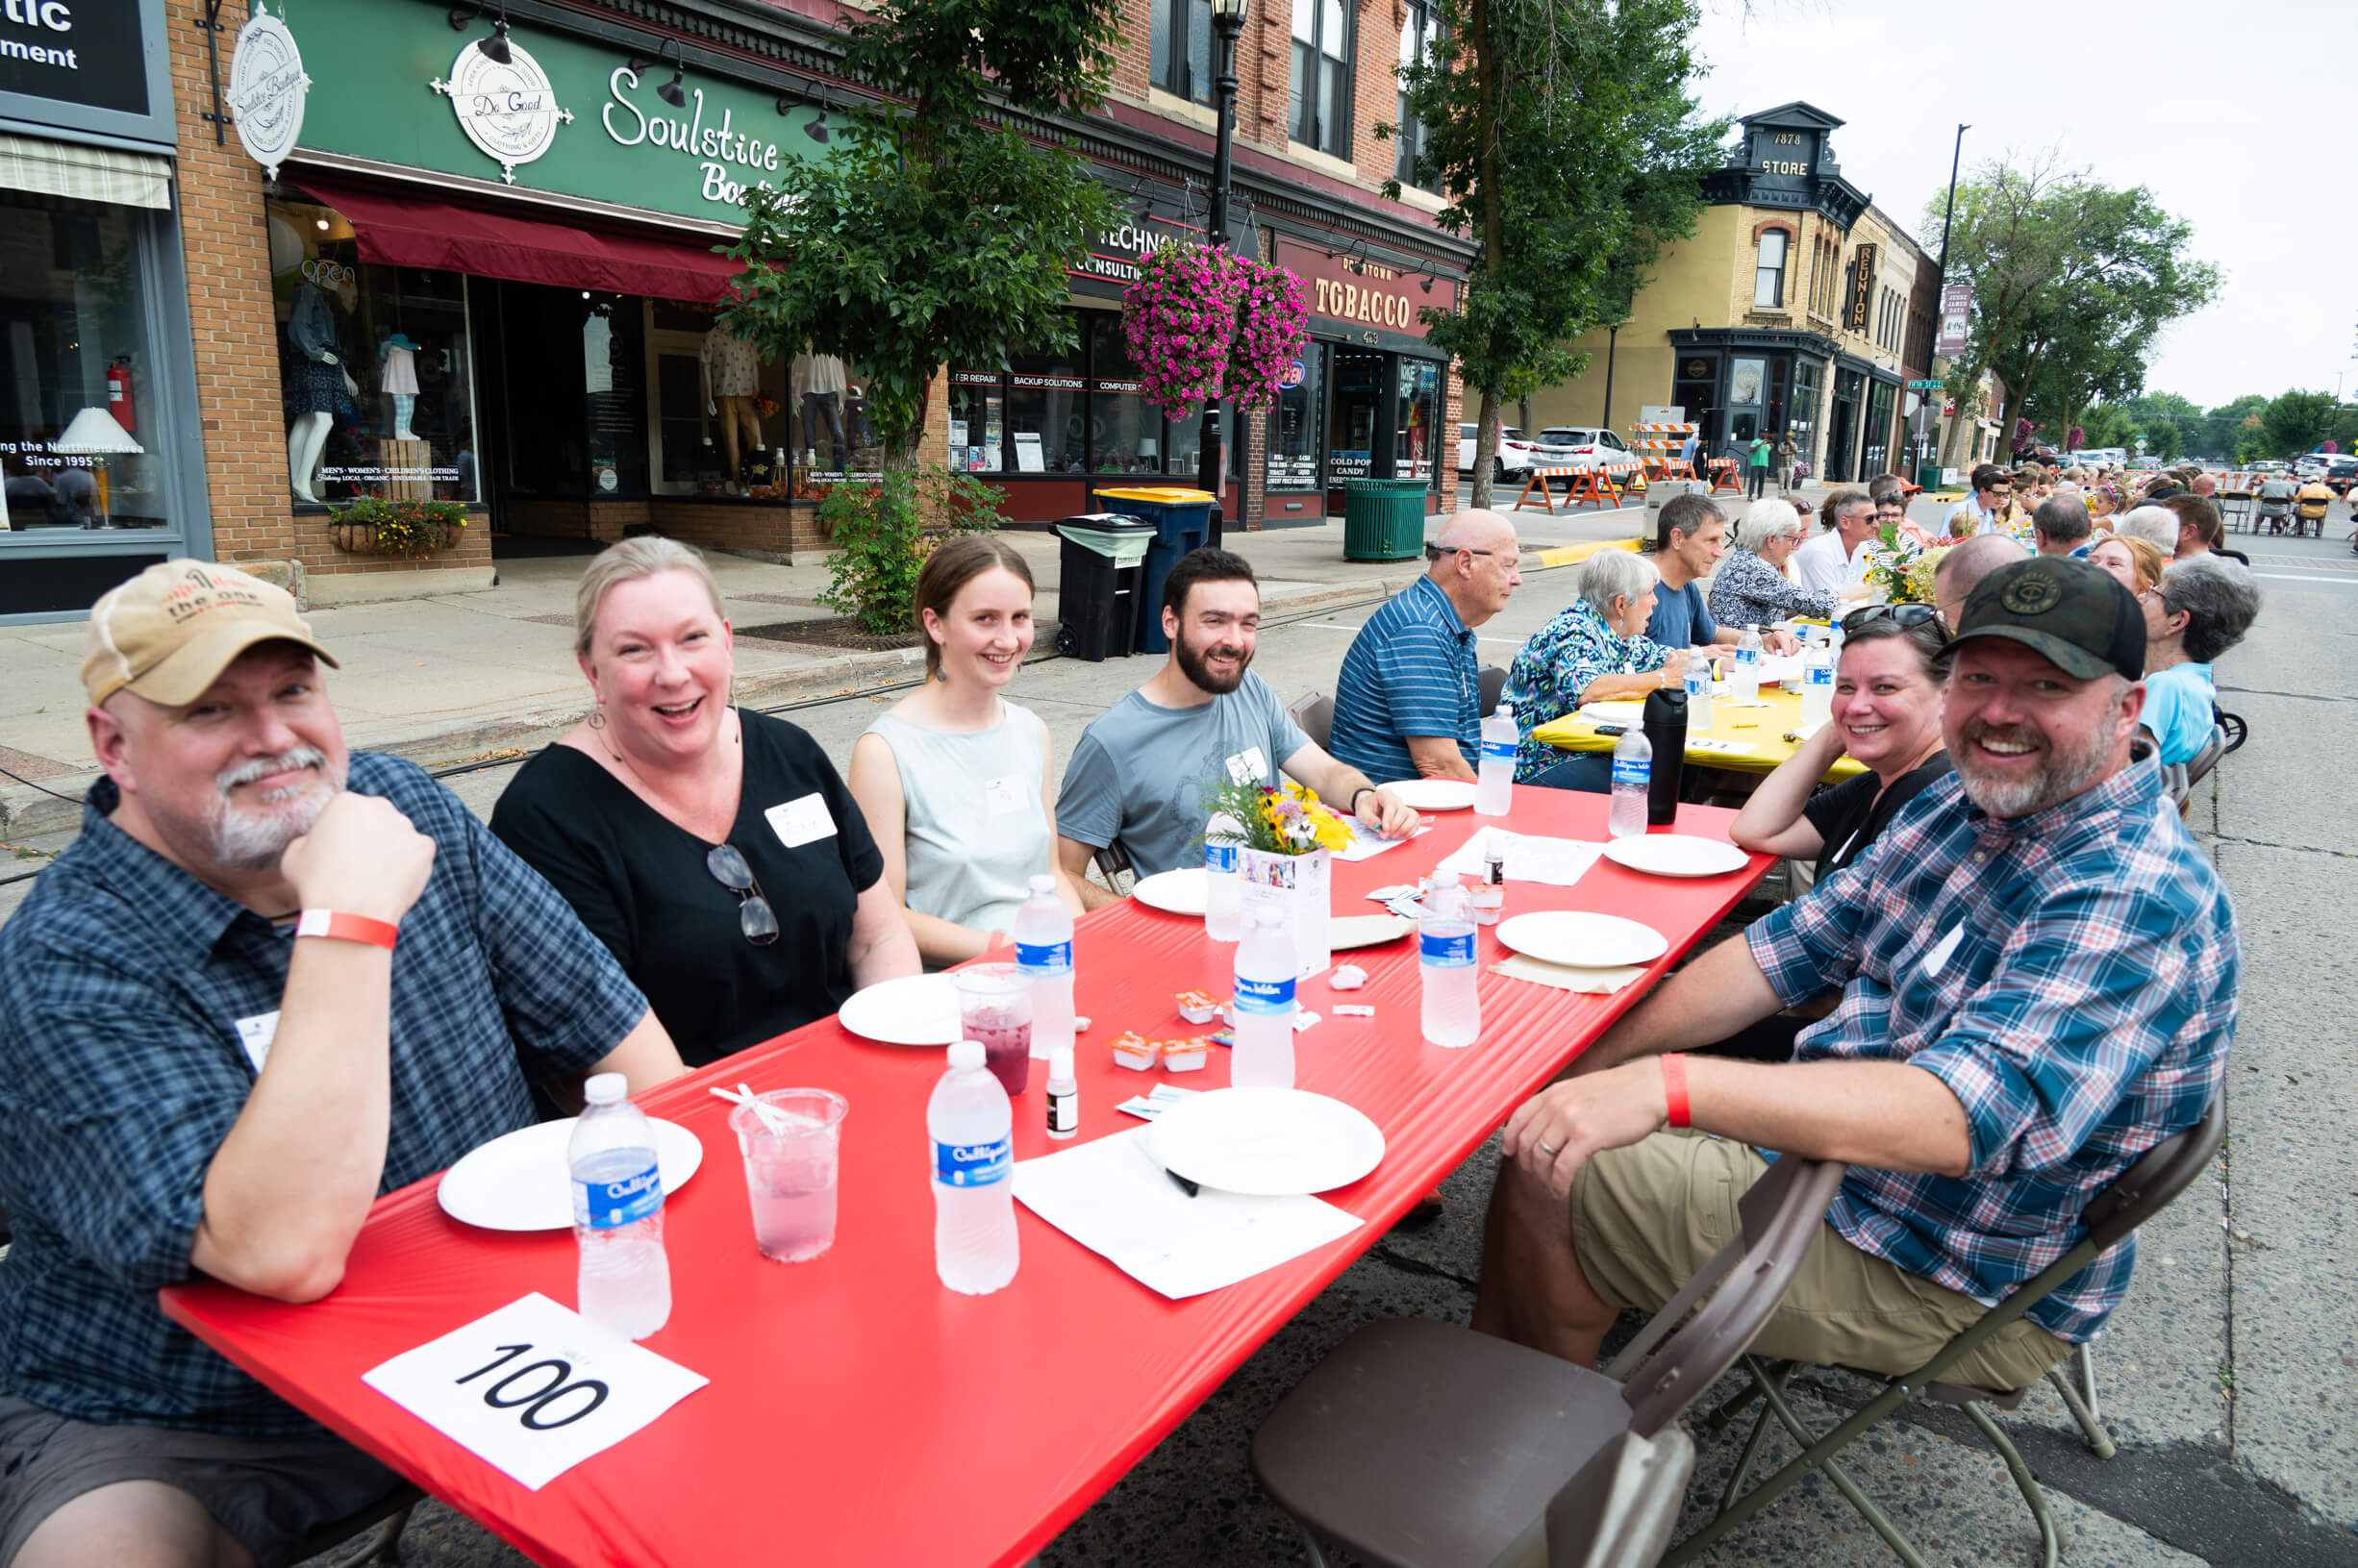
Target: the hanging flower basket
pixel 372 525
pixel 1178 319
pixel 1272 329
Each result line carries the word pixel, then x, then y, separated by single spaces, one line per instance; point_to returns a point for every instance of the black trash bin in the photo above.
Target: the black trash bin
pixel 1100 573
pixel 1181 518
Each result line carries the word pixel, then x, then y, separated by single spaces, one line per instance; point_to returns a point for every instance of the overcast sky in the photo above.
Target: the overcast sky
pixel 2230 115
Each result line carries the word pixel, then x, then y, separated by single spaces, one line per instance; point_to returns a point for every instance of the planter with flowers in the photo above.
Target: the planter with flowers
pixel 1286 840
pixel 1202 323
pixel 372 525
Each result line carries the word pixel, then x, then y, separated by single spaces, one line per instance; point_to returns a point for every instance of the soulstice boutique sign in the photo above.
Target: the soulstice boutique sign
pixel 267 91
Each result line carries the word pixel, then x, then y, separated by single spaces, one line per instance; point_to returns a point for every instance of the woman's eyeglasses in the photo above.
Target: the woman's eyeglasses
pixel 1900 615
pixel 754 917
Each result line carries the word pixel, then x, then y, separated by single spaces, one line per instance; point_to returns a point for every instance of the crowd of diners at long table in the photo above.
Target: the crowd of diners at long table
pixel 2014 974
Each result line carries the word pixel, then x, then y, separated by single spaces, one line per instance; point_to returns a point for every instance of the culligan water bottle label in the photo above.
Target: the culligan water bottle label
pixel 1635 771
pixel 1822 675
pixel 1446 951
pixel 1044 958
pixel 973 1164
pixel 1498 751
pixel 1698 677
pixel 1220 859
pixel 1265 995
pixel 609 1205
pixel 1748 656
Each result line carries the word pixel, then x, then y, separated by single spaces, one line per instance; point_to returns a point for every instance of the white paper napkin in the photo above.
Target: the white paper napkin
pixel 1564 977
pixel 1529 858
pixel 1113 1198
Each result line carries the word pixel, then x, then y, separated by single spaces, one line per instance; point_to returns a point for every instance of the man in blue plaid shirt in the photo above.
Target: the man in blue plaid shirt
pixel 2036 969
pixel 211 1058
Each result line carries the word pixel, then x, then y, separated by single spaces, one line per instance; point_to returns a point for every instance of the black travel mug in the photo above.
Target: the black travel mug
pixel 1665 731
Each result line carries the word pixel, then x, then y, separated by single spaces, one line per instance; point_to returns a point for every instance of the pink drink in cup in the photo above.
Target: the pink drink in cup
pixel 790 1172
pixel 995 1005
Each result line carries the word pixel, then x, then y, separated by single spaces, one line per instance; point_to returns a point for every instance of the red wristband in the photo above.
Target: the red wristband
pixel 1674 1086
pixel 347 928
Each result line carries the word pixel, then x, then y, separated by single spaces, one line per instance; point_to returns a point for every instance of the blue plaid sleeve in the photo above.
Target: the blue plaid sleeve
pixel 1810 946
pixel 2084 1001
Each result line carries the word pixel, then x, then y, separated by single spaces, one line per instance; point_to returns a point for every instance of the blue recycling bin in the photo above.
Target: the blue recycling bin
pixel 1181 519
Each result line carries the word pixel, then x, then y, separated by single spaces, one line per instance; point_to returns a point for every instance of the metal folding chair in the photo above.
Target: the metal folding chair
pixel 2142 1191
pixel 392 1510
pixel 1314 712
pixel 1425 1445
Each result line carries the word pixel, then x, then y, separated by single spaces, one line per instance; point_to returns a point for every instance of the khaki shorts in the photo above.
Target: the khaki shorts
pixel 1646 1217
pixel 269 1493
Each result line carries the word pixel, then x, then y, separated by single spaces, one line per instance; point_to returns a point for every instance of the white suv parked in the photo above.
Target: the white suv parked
pixel 1574 446
pixel 1515 455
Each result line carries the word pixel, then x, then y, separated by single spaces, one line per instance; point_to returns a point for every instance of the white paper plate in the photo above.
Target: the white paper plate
pixel 1675 854
pixel 1273 1143
pixel 1345 932
pixel 518 1182
pixel 914 1009
pixel 1433 794
pixel 1179 892
pixel 1631 713
pixel 1584 940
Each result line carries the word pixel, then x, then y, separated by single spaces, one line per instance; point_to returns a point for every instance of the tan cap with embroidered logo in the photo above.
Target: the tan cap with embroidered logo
pixel 170 633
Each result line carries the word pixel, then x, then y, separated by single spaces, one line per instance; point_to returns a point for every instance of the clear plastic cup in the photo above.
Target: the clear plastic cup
pixel 790 1174
pixel 995 1005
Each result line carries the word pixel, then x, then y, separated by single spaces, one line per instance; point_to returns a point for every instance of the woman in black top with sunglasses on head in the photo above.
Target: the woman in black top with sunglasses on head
pixel 717 852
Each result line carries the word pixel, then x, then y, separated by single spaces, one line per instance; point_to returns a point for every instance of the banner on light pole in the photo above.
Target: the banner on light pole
pixel 1956 319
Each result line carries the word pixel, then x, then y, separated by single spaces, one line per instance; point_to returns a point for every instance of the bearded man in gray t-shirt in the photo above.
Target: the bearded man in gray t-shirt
pixel 1139 773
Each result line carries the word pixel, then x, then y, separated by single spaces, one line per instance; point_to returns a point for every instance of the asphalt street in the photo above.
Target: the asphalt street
pixel 2230 1377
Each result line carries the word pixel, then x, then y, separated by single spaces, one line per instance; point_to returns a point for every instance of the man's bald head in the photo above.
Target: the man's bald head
pixel 1476 561
pixel 1962 569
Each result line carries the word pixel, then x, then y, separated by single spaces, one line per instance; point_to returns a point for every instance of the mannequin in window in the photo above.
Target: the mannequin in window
pixel 732 379
pixel 321 387
pixel 855 418
pixel 399 381
pixel 818 382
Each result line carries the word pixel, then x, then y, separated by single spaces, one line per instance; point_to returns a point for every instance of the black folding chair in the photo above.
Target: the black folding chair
pixel 1425 1445
pixel 2142 1191
pixel 1314 712
pixel 392 1510
pixel 1494 686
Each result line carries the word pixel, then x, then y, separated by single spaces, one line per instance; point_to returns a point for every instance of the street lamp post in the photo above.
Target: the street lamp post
pixel 1228 21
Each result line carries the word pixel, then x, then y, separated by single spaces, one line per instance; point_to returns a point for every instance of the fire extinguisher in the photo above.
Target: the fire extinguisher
pixel 118 393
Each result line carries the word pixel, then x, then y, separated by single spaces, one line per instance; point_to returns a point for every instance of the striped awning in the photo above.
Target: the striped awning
pixel 89 174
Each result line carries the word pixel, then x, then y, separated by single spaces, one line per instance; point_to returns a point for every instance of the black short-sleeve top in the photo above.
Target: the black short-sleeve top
pixel 1849 816
pixel 639 883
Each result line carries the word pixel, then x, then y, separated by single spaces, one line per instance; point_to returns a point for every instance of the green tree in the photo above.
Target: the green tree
pixel 2073 280
pixel 940 230
pixel 2221 427
pixel 1570 146
pixel 2163 438
pixel 2295 422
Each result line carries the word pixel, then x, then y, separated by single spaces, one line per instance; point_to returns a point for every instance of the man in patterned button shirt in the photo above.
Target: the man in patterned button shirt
pixel 2037 973
pixel 212 1060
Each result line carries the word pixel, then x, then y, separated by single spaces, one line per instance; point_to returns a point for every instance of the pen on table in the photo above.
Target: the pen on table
pixel 1180 1181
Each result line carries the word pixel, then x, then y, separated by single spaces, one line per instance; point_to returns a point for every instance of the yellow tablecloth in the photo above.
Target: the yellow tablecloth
pixel 1757 734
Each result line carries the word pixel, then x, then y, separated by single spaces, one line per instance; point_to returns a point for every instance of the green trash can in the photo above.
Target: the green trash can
pixel 1928 475
pixel 1382 519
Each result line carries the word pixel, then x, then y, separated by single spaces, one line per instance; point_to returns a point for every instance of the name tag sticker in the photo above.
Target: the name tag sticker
pixel 799 821
pixel 256 1033
pixel 1248 766
pixel 533 1388
pixel 1005 795
pixel 1936 959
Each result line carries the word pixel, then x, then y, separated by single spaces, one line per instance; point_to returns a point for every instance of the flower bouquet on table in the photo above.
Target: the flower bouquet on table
pixel 1900 563
pixel 1286 838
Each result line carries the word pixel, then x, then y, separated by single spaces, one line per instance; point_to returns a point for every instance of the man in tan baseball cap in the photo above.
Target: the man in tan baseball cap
pixel 170 631
pixel 211 1061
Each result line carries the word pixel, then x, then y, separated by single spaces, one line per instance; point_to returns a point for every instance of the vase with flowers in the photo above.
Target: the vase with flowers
pixel 1286 838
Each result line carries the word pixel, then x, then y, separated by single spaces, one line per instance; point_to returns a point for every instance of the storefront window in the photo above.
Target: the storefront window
pixel 1695 387
pixel 79 419
pixel 375 368
pixel 1125 432
pixel 1044 413
pixel 1802 419
pixel 1357 395
pixel 977 421
pixel 1412 421
pixel 1882 398
pixel 1748 382
pixel 1185 444
pixel 1293 424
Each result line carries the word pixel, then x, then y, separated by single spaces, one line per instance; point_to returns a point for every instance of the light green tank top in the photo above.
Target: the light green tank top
pixel 975 832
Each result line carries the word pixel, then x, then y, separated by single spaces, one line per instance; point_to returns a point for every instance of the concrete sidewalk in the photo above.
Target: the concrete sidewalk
pixel 453 677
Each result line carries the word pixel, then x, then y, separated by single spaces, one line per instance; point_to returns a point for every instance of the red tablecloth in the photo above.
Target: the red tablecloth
pixel 859 1414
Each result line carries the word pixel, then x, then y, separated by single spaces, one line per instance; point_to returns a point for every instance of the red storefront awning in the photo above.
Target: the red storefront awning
pixel 398 229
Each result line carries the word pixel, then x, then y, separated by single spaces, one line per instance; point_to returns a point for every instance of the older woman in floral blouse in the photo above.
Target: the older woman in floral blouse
pixel 1750 587
pixel 1595 651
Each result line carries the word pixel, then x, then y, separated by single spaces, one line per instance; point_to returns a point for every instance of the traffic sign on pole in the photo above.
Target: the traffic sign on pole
pixel 1924 386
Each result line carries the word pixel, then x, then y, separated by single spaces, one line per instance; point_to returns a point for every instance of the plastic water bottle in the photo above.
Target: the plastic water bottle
pixel 1744 671
pixel 1445 963
pixel 1262 1056
pixel 1816 683
pixel 625 1281
pixel 1494 781
pixel 970 1126
pixel 1697 682
pixel 1633 774
pixel 1222 892
pixel 1044 951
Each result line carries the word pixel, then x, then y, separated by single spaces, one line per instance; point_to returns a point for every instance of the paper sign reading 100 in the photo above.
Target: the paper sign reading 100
pixel 533 1388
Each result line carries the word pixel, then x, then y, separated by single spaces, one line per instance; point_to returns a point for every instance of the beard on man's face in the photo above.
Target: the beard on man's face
pixel 2068 767
pixel 252 836
pixel 1194 662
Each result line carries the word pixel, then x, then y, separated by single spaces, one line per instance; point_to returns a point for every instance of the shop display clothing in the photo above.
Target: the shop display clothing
pixel 400 371
pixel 317 384
pixel 733 365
